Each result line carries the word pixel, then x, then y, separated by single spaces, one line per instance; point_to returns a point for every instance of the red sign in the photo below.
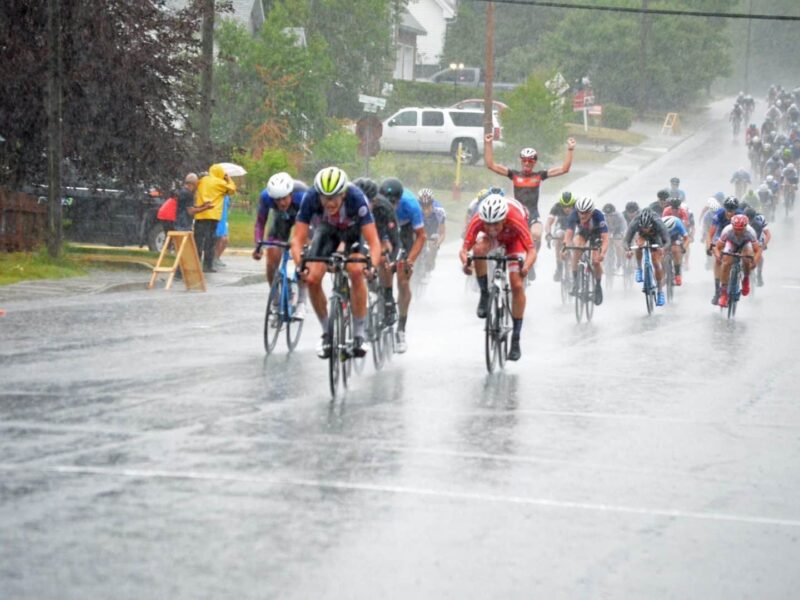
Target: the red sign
pixel 596 110
pixel 582 99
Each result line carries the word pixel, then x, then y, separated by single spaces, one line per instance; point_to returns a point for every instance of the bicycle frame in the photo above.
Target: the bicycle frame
pixel 735 281
pixel 284 316
pixel 649 283
pixel 584 299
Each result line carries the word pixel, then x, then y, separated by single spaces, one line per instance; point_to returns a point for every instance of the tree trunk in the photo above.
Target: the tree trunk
pixel 54 148
pixel 206 81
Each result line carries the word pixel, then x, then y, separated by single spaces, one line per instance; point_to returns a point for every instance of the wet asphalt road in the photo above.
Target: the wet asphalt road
pixel 149 450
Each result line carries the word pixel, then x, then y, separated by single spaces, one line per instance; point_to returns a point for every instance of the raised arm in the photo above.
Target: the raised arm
pixel 565 166
pixel 488 156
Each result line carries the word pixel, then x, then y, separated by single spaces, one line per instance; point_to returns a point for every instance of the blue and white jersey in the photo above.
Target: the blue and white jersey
pixel 435 218
pixel 353 212
pixel 679 232
pixel 740 175
pixel 408 211
pixel 720 220
pixel 595 226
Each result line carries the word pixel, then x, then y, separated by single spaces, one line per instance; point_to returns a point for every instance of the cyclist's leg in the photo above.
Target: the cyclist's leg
pixel 677 257
pixel 747 265
pixel 481 248
pixel 274 256
pixel 725 266
pixel 518 298
pixel 324 243
pixel 658 266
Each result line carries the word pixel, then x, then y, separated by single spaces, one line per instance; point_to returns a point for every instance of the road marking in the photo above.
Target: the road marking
pixel 791 287
pixel 409 491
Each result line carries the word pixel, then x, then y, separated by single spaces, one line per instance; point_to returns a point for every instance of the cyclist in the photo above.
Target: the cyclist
pixel 282 197
pixel 675 208
pixel 344 218
pixel 388 233
pixel 587 225
pixel 720 220
pixel 559 215
pixel 527 181
pixel 662 201
pixel 435 219
pixel 789 176
pixel 617 226
pixel 679 244
pixel 736 116
pixel 630 212
pixel 501 223
pixel 472 207
pixel 765 197
pixel 741 181
pixel 737 237
pixel 675 190
pixel 412 239
pixel 773 184
pixel 764 236
pixel 751 133
pixel 648 227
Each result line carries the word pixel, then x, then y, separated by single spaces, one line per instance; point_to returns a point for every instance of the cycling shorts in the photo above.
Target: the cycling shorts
pixel 738 248
pixel 327 239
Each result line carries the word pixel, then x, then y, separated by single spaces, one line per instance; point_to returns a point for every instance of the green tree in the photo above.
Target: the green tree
pixel 533 118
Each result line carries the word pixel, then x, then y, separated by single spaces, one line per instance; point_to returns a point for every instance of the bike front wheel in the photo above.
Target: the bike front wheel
pixel 588 297
pixel 504 328
pixel 293 328
pixel 346 344
pixel 335 322
pixel 491 326
pixel 272 319
pixel 375 329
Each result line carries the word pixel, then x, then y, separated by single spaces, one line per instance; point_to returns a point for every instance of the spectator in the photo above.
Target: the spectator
pixel 222 231
pixel 186 210
pixel 211 189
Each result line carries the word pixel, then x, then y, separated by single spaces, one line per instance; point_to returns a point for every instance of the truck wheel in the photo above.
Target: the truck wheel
pixel 156 237
pixel 469 151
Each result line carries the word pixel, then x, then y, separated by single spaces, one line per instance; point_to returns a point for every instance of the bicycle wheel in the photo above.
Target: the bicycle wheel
pixel 374 327
pixel 490 330
pixel 346 344
pixel 588 298
pixel 579 296
pixel 293 328
pixel 504 327
pixel 334 334
pixel 272 319
pixel 388 343
pixel 669 276
pixel 627 274
pixel 566 281
pixel 649 289
pixel 733 290
pixel 610 265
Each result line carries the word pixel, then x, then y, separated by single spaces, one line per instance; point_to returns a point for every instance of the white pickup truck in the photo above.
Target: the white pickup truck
pixel 467 76
pixel 439 131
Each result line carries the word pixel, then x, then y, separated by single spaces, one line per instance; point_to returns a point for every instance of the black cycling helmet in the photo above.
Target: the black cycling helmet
pixel 368 186
pixel 731 203
pixel 647 218
pixel 609 209
pixel 675 202
pixel 631 207
pixel 662 194
pixel 391 189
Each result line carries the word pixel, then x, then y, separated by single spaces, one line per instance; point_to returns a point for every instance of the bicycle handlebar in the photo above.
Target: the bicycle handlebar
pixel 504 259
pixel 648 245
pixel 333 260
pixel 273 244
pixel 739 255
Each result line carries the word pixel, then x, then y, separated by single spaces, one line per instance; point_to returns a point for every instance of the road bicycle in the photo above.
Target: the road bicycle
pixel 281 303
pixel 669 274
pixel 735 282
pixel 498 316
pixel 566 274
pixel 584 298
pixel 789 192
pixel 628 271
pixel 340 318
pixel 423 267
pixel 380 333
pixel 649 284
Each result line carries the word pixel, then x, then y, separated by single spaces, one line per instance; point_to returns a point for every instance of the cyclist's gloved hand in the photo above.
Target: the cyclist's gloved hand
pixel 257 253
pixel 708 251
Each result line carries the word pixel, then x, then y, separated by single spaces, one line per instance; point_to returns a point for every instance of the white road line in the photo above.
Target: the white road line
pixel 410 491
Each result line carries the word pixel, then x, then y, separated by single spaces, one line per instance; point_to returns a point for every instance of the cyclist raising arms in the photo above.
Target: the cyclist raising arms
pixel 282 197
pixel 648 227
pixel 344 217
pixel 501 223
pixel 737 237
pixel 412 238
pixel 527 181
pixel 587 225
pixel 559 215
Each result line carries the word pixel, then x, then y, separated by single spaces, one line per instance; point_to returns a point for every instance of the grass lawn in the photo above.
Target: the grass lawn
pixel 23 266
pixel 240 228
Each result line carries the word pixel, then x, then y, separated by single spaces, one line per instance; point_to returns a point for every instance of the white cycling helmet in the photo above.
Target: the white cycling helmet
pixel 712 203
pixel 770 179
pixel 280 185
pixel 528 153
pixel 671 222
pixel 330 181
pixel 493 209
pixel 584 204
pixel 790 166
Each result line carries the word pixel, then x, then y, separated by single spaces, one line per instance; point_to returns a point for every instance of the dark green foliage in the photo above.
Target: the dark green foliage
pixel 616 117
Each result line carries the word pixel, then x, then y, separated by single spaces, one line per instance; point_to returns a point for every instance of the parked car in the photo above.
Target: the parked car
pixel 438 130
pixel 478 103
pixel 466 76
pixel 111 216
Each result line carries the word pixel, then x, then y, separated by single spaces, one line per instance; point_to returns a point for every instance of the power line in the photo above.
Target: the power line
pixel 649 11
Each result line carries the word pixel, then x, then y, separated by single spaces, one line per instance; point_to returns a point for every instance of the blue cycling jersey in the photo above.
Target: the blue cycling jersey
pixel 408 211
pixel 595 226
pixel 721 220
pixel 679 232
pixel 353 212
pixel 267 203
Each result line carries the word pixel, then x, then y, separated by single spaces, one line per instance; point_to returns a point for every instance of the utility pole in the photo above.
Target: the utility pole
pixel 489 70
pixel 206 80
pixel 54 147
pixel 644 33
pixel 747 51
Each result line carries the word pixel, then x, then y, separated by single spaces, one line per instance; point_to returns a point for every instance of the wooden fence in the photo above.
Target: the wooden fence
pixel 23 221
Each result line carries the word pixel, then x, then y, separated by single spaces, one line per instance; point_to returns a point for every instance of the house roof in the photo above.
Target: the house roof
pixel 448 8
pixel 410 24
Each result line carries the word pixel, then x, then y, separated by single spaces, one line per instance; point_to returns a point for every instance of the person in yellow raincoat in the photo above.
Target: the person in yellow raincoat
pixel 211 190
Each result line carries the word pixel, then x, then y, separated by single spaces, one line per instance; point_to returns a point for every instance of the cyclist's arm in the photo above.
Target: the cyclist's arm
pixel 488 156
pixel 530 258
pixel 261 221
pixel 548 225
pixel 565 166
pixel 370 235
pixel 767 236
pixel 603 244
pixel 299 239
pixel 419 242
pixel 568 236
pixel 442 233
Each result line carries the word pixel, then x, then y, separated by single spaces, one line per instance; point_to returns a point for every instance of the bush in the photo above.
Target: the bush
pixel 259 170
pixel 340 148
pixel 617 117
pixel 420 93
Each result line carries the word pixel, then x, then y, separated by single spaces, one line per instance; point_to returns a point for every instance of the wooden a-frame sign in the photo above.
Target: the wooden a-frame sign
pixel 186 259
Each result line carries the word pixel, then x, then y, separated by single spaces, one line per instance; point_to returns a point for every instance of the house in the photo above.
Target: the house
pixel 434 16
pixel 249 13
pixel 406 42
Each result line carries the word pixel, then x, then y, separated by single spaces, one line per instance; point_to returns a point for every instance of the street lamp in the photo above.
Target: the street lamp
pixel 456 68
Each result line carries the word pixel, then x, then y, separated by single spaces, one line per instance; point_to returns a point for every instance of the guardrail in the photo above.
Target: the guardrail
pixel 23 221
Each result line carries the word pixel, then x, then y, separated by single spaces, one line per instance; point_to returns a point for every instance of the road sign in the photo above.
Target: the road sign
pixel 557 85
pixel 372 100
pixel 596 110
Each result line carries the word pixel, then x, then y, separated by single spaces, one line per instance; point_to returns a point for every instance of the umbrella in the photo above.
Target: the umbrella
pixel 233 170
